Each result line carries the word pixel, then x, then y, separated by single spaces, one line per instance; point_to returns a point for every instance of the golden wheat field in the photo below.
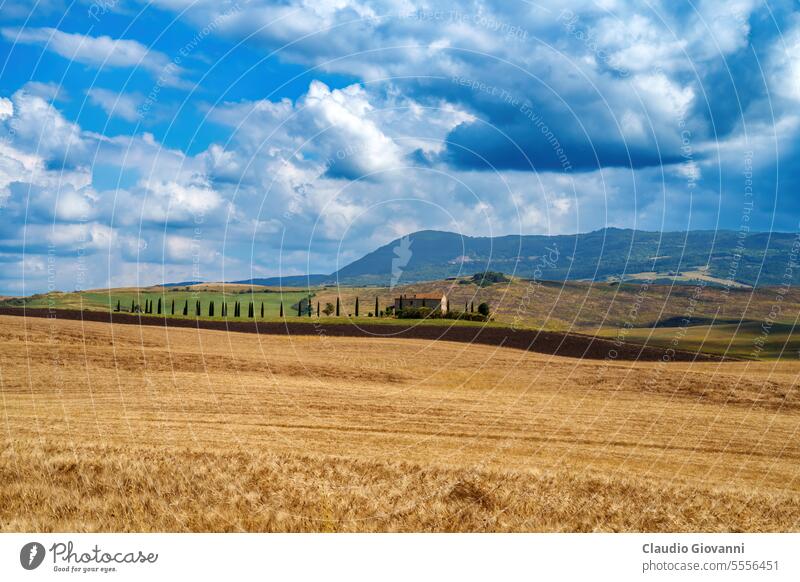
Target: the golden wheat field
pixel 127 428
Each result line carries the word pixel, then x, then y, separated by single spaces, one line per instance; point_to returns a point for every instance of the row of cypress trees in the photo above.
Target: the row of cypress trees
pixel 148 306
pixel 237 308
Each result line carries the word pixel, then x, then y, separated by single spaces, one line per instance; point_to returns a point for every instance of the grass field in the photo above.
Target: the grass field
pixel 107 300
pixel 127 428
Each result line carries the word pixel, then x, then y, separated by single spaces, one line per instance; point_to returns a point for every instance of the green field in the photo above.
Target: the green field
pixel 105 301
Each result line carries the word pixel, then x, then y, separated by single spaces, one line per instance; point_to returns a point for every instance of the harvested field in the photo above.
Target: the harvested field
pixel 140 428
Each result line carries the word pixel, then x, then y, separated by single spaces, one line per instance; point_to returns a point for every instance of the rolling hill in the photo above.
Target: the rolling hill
pixel 722 258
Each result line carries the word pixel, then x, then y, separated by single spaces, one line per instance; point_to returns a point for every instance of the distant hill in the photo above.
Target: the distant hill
pixel 288 281
pixel 182 284
pixel 604 255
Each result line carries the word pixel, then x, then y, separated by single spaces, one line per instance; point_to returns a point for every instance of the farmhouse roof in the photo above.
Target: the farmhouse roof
pixel 423 296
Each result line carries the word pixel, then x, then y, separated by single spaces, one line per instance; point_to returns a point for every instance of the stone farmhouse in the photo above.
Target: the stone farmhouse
pixel 433 301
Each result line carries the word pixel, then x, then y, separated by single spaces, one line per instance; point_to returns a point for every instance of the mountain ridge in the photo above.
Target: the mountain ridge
pixel 609 254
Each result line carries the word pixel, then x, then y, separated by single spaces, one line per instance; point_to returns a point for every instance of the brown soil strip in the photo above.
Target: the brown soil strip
pixel 545 342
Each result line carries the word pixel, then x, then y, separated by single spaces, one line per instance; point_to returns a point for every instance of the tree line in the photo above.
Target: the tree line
pixel 304 307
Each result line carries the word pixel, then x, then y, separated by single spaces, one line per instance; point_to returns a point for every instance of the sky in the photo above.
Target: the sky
pixel 174 140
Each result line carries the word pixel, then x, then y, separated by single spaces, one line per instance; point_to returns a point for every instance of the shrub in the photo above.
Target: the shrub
pixel 329 308
pixel 414 313
pixel 489 278
pixel 483 309
pixel 427 312
pixel 466 316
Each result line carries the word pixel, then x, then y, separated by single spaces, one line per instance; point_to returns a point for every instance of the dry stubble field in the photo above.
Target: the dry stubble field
pixel 127 428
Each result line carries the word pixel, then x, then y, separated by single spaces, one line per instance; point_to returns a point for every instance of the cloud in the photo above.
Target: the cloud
pixel 121 105
pixel 349 133
pixel 483 118
pixel 39 127
pixel 99 52
pixel 6 108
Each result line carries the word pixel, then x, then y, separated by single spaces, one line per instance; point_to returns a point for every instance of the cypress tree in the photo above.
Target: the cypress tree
pixel 119 308
pixel 186 308
pixel 281 309
pixel 466 306
pixel 197 308
pixel 472 307
pixel 237 310
pixel 251 310
pixel 400 307
pixel 317 308
pixel 133 306
pixel 376 306
pixel 173 307
pixel 337 307
pixel 262 310
pixel 356 306
pixel 159 305
pixel 211 309
pixel 309 306
pixel 299 308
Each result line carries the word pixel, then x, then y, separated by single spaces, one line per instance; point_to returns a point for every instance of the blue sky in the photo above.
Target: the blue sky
pixel 171 140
